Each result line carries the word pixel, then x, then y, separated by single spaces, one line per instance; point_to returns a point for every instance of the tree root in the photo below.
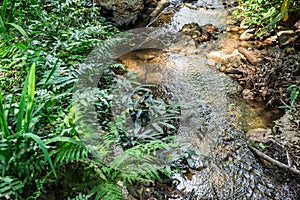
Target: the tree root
pixel 273 161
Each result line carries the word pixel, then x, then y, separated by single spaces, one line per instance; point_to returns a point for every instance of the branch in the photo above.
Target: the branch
pixel 275 162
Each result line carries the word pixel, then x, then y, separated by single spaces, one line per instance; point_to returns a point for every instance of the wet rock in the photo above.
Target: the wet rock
pixel 251 57
pixel 198 33
pixel 211 62
pixel 222 69
pixel 190 5
pixel 222 57
pixel 209 28
pixel 247 35
pixel 235 71
pixel 160 6
pixel 232 29
pixel 122 12
pixel 185 44
pixel 230 21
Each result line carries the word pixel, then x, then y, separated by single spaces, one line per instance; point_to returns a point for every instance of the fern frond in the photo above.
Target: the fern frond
pixel 107 191
pixel 10 187
pixel 69 152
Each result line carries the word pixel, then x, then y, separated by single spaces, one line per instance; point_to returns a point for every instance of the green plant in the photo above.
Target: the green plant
pixel 42 146
pixel 20 157
pixel 294 94
pixel 266 14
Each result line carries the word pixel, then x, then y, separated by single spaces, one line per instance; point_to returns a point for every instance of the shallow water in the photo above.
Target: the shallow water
pixel 213 119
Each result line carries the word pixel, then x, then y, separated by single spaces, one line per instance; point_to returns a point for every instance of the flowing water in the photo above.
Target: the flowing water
pixel 212 121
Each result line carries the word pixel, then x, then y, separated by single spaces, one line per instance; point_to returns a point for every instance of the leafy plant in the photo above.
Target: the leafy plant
pixel 266 14
pixel 21 157
pixel 294 94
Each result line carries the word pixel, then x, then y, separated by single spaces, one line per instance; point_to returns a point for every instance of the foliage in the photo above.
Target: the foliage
pixel 294 95
pixel 43 45
pixel 266 14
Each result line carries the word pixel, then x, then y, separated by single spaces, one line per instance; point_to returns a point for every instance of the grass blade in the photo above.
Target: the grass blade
pixel 2 26
pixel 3 9
pixel 30 98
pixel 22 105
pixel 21 30
pixel 3 119
pixel 50 74
pixel 43 147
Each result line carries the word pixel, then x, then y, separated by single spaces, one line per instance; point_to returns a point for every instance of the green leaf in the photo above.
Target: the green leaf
pixel 273 23
pixel 3 9
pixel 3 119
pixel 2 26
pixel 30 98
pixel 22 105
pixel 43 147
pixel 64 139
pixel 21 30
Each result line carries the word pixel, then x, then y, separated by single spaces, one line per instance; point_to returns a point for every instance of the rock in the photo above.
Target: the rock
pixel 248 94
pixel 211 62
pixel 259 135
pixel 232 29
pixel 197 32
pixel 244 25
pixel 250 56
pixel 123 13
pixel 222 69
pixel 230 21
pixel 247 35
pixel 160 6
pixel 270 40
pixel 287 37
pixel 209 28
pixel 297 25
pixel 222 57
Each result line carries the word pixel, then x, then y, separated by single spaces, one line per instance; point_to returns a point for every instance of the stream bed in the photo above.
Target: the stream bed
pixel 213 117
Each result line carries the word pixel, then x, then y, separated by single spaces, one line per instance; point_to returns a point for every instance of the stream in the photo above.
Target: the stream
pixel 214 119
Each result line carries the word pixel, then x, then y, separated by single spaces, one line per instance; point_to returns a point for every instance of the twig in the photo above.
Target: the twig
pixel 275 162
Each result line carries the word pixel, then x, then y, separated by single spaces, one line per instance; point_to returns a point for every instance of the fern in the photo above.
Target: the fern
pixel 107 191
pixel 69 152
pixel 80 197
pixel 10 188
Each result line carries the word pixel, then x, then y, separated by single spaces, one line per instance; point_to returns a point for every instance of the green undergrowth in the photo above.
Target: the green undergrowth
pixel 267 15
pixel 43 153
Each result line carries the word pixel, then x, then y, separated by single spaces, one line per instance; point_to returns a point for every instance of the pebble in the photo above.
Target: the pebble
pixel 247 35
pixel 232 29
pixel 244 25
pixel 248 94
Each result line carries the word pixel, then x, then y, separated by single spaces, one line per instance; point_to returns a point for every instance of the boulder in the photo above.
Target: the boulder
pixel 124 13
pixel 199 33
